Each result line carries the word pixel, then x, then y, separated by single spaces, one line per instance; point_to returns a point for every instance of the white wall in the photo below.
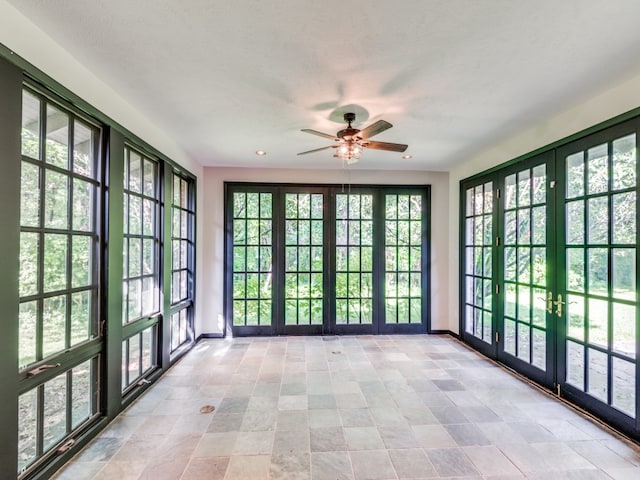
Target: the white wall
pixel 29 42
pixel 211 302
pixel 610 103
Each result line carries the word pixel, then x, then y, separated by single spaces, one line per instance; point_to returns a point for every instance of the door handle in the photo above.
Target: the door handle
pixel 558 303
pixel 549 301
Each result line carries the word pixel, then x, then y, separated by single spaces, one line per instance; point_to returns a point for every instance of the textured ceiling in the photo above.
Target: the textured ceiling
pixel 226 78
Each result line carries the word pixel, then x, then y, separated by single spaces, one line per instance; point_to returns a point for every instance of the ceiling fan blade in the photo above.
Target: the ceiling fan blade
pixel 317 149
pixel 374 129
pixel 392 147
pixel 320 134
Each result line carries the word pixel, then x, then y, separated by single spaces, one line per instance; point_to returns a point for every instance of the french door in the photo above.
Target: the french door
pixel 598 301
pixel 525 285
pixel 550 271
pixel 319 259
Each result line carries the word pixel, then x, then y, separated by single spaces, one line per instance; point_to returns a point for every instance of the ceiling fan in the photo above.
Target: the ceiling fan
pixel 351 141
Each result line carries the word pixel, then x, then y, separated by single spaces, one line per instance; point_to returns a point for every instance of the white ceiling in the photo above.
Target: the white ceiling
pixel 228 77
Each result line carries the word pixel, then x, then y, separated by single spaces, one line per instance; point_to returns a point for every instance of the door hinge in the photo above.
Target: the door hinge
pixel 101 328
pixel 552 184
pixel 497 241
pixel 558 389
pixel 497 288
pixel 497 193
pixel 497 337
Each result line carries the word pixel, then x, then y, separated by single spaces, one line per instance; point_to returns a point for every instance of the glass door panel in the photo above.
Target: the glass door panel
pixel 252 260
pixel 598 303
pixel 354 259
pixel 304 277
pixel 525 298
pixel 405 284
pixel 403 259
pixel 478 262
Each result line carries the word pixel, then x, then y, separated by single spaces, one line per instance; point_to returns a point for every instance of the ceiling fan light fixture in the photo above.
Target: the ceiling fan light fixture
pixel 261 152
pixel 349 151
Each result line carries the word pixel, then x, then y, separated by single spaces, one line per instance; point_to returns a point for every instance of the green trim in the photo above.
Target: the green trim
pixel 623 117
pixel 10 155
pixel 114 273
pixel 164 327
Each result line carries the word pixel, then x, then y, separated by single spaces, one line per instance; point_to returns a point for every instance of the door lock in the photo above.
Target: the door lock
pixel 558 303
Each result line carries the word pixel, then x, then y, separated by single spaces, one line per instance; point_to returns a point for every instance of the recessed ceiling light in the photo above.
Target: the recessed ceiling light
pixel 260 152
pixel 407 157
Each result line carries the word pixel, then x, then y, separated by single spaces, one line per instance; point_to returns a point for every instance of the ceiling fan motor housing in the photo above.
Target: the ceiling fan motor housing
pixel 348 132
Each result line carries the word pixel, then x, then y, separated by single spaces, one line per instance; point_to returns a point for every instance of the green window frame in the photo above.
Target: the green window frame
pixel 141 268
pixel 182 294
pixel 60 345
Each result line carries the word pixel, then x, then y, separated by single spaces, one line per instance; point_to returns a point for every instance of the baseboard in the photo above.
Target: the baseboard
pixel 444 332
pixel 209 335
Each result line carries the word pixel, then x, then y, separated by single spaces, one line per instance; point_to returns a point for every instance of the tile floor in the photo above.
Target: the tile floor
pixel 360 407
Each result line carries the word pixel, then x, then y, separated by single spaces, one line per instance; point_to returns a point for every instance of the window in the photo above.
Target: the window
pixel 141 284
pixel 59 344
pixel 182 261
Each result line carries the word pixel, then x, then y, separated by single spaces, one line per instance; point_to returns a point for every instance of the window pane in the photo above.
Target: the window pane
pixel 134 358
pixel 575 175
pixel 27 428
pixel 598 228
pixel 575 222
pixel 147 351
pixel 624 218
pixel 149 178
pixel 598 171
pixel 81 261
pixel 30 195
pixel 81 315
pixel 56 195
pixel 53 325
pixel 30 125
pixel 624 162
pixel 57 146
pixel 83 146
pixel 135 172
pixel 55 411
pixel 575 365
pixel 27 333
pixel 624 273
pixel 624 329
pixel 624 386
pixel 598 374
pixel 29 255
pixel 82 207
pixel 81 393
